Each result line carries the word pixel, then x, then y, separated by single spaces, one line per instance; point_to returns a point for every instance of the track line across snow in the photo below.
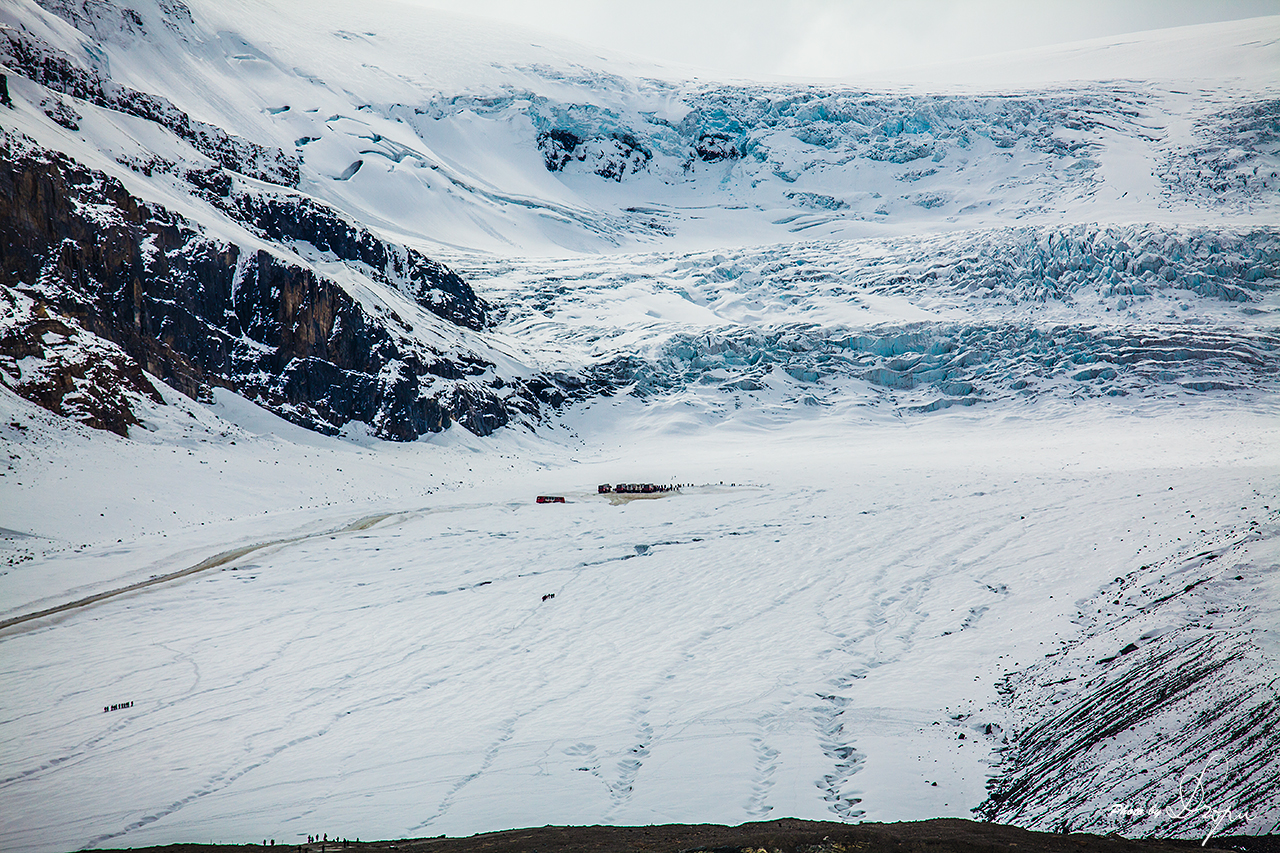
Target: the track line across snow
pixel 216 560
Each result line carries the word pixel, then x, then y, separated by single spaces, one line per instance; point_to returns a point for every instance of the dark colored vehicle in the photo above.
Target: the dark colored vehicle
pixel 635 489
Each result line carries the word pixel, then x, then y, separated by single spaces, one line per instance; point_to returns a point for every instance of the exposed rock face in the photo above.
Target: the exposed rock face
pixel 196 311
pixel 56 364
pixel 107 21
pixel 115 285
pixel 612 156
pixel 558 147
pixel 716 146
pixel 296 217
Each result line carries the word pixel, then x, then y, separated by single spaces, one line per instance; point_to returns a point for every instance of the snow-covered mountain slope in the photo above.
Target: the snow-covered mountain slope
pixel 428 128
pixel 291 148
pixel 976 382
pixel 1242 51
pixel 433 128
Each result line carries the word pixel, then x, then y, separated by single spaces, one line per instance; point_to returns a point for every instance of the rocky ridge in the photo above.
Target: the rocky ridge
pixel 195 311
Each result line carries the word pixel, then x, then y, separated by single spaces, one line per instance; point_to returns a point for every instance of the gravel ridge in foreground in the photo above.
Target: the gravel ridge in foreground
pixel 787 835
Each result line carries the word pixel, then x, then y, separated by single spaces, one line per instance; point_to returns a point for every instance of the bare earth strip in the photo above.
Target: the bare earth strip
pixel 944 835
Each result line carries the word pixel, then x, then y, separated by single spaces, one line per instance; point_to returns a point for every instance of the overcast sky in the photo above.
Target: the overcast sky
pixel 840 38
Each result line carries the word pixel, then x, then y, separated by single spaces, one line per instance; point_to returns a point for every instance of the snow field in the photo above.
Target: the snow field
pixel 784 646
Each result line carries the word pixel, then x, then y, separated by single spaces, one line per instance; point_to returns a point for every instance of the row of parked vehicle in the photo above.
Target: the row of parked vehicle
pixel 619 489
pixel 634 489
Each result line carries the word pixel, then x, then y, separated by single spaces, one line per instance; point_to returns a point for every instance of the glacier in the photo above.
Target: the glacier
pixel 971 387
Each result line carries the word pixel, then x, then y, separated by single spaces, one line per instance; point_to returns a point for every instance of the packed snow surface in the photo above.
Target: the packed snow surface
pixel 806 630
pixel 971 391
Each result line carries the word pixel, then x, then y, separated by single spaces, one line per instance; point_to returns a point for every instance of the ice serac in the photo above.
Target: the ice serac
pixel 284 188
pixel 196 311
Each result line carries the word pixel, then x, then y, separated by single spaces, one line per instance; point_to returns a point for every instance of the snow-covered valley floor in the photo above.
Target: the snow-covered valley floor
pixel 816 628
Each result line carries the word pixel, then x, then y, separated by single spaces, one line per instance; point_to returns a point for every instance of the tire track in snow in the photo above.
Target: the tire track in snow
pixel 629 765
pixel 226 778
pixel 505 734
pixel 888 625
pixel 85 748
pixel 215 784
pixel 757 805
pixel 644 735
pixel 213 562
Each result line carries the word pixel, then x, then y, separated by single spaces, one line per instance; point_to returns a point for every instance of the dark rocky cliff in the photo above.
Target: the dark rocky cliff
pixel 296 217
pixel 196 311
pixel 52 361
